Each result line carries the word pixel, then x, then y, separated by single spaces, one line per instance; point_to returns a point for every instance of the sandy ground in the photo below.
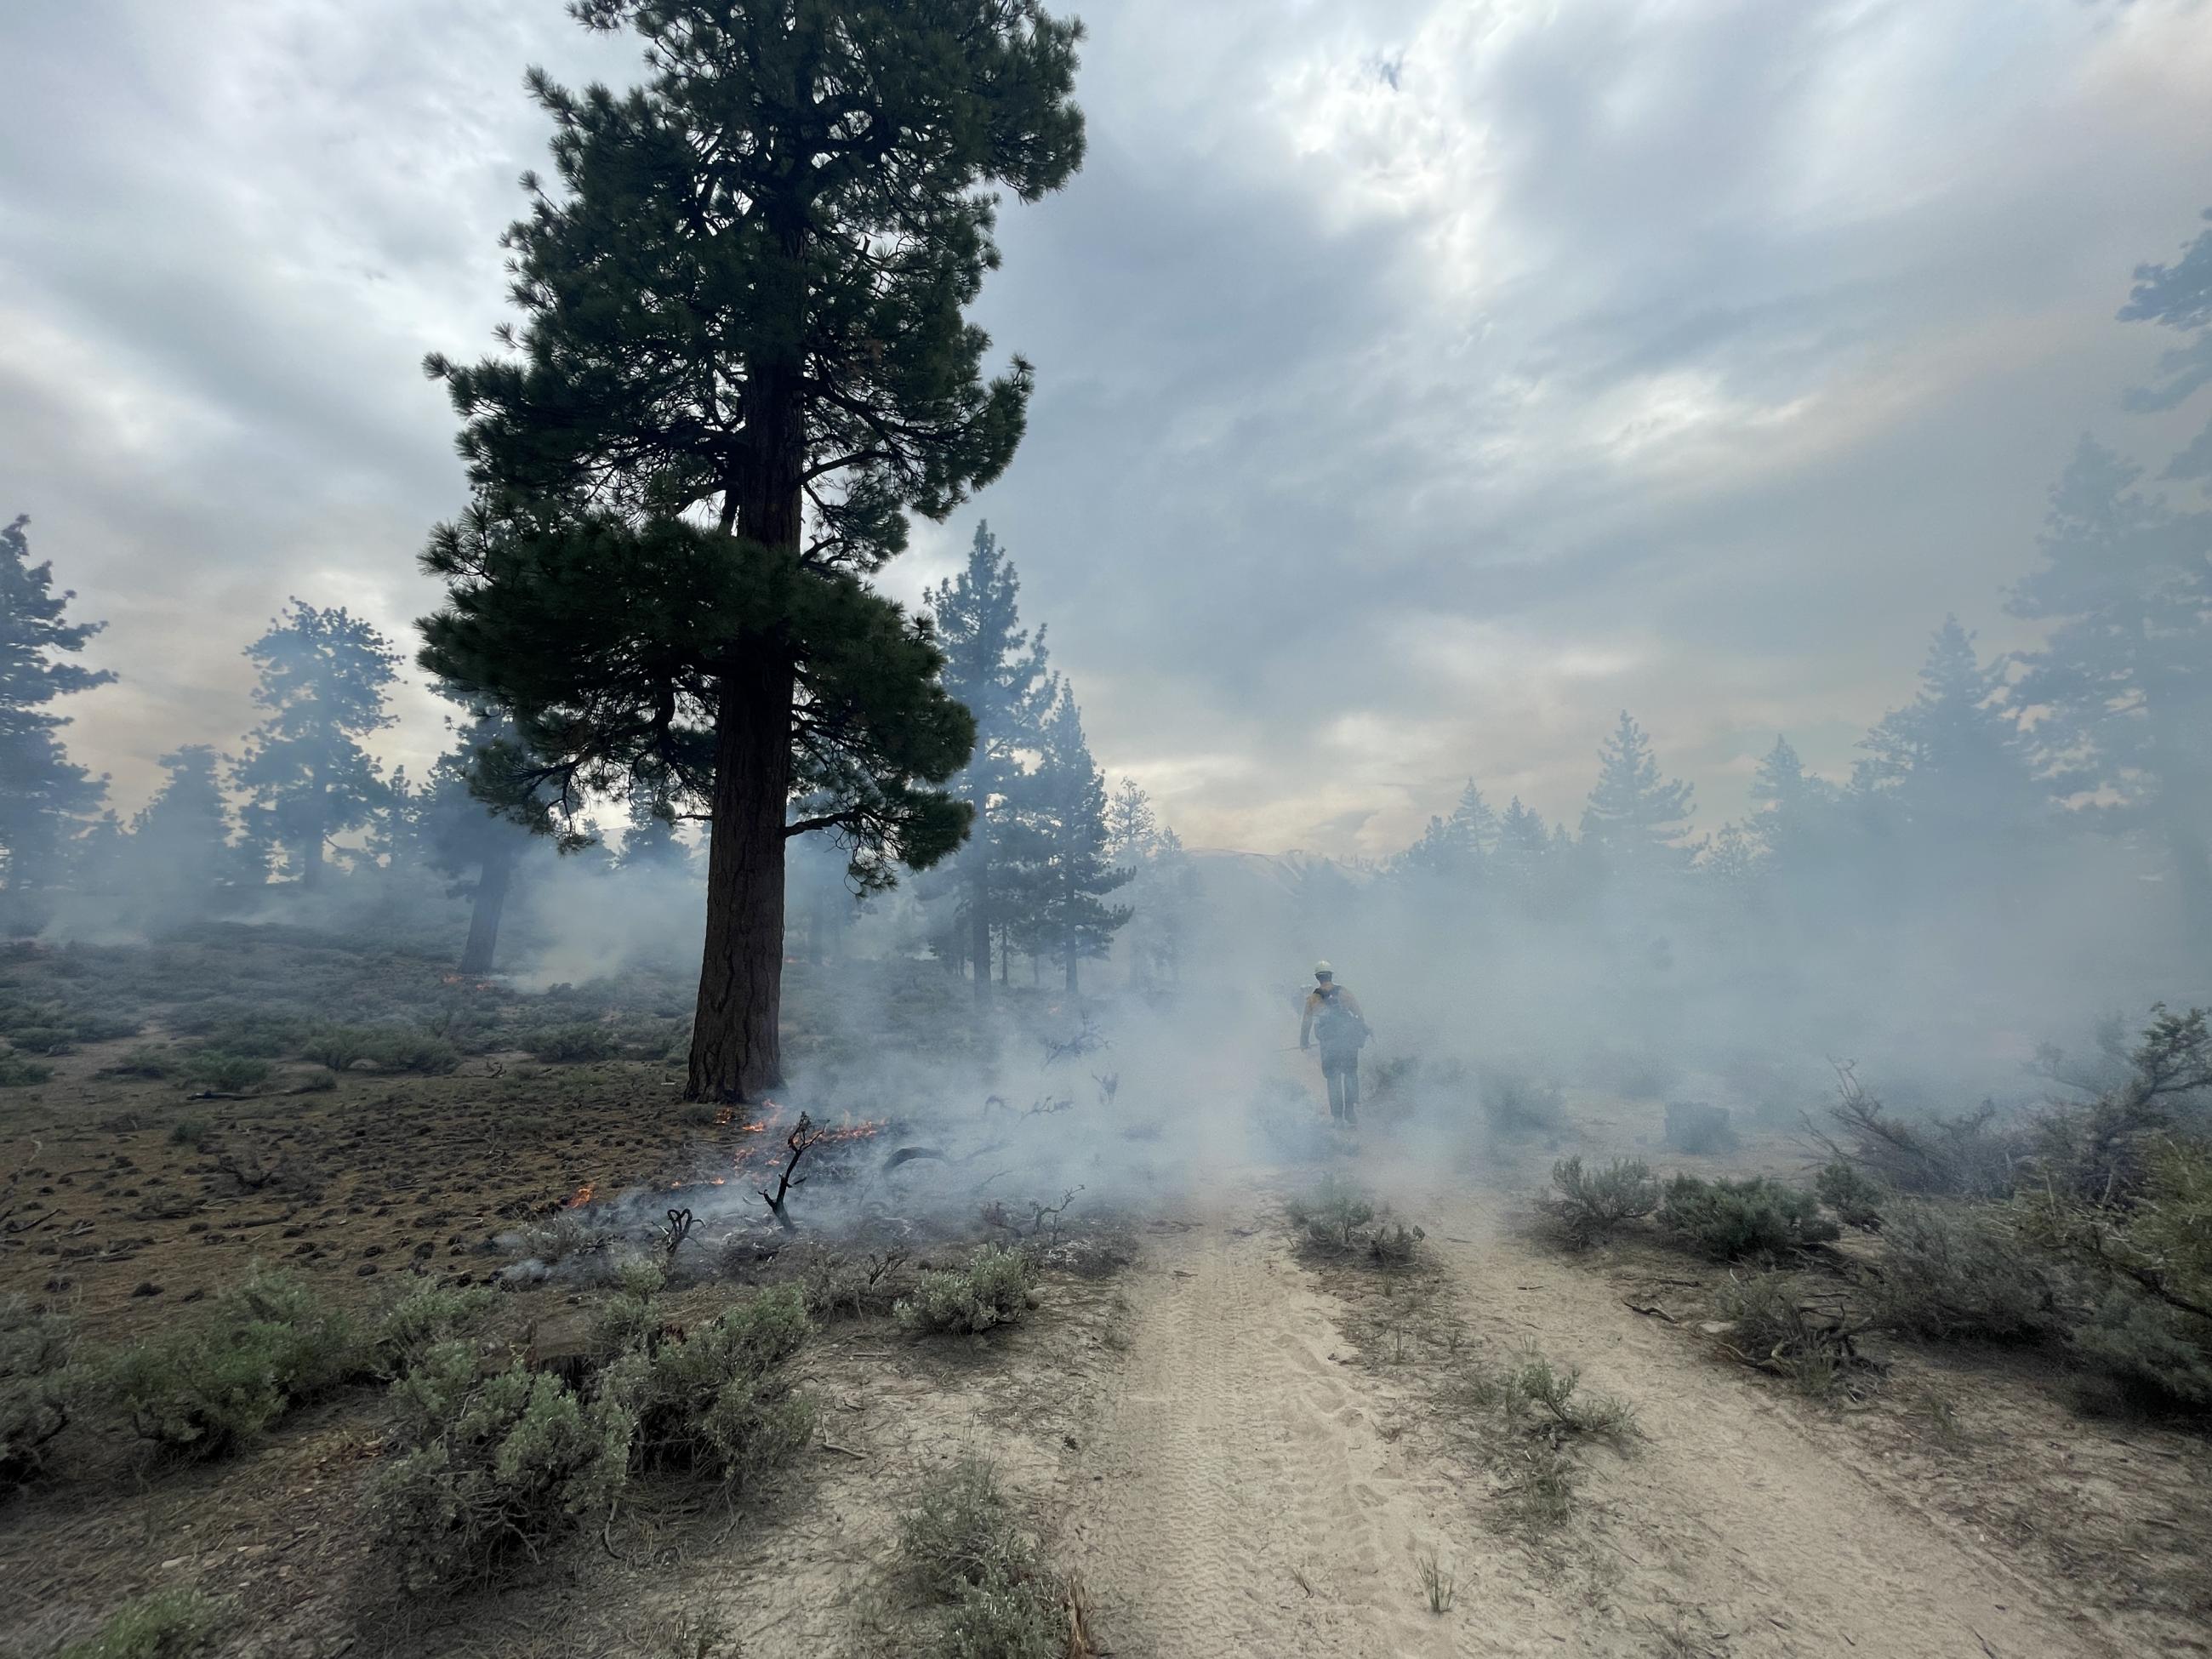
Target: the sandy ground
pixel 1257 1492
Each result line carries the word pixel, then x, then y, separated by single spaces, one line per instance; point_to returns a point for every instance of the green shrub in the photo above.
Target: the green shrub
pixel 1587 1205
pixel 1532 1394
pixel 144 1060
pixel 570 1043
pixel 189 1132
pixel 423 1317
pixel 16 1072
pixel 964 1534
pixel 499 1468
pixel 1516 1103
pixel 204 1390
pixel 166 1625
pixel 1333 1214
pixel 1006 1619
pixel 387 1048
pixel 628 1318
pixel 718 1398
pixel 223 1072
pixel 41 1039
pixel 1952 1270
pixel 1728 1220
pixel 253 1032
pixel 1856 1196
pixel 993 1289
pixel 91 1027
pixel 38 1388
pixel 2159 1354
pixel 1697 1128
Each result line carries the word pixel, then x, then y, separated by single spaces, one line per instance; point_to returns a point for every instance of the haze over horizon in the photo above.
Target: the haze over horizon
pixel 1418 384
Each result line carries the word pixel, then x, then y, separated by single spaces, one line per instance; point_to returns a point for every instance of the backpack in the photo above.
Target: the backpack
pixel 1337 1026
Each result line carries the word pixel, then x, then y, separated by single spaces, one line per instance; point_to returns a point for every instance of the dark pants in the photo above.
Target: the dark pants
pixel 1341 1067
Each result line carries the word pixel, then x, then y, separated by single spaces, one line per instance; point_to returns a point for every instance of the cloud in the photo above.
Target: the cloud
pixel 1419 383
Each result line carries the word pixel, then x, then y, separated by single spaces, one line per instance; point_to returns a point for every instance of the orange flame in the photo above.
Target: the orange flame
pixel 583 1195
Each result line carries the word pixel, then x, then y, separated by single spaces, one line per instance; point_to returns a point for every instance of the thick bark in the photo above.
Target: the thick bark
pixel 1074 977
pixel 482 951
pixel 736 1044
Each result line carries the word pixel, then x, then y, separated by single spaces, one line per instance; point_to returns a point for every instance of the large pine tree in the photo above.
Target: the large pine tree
pixel 744 359
pixel 324 675
pixel 1064 872
pixel 1636 818
pixel 46 800
pixel 996 671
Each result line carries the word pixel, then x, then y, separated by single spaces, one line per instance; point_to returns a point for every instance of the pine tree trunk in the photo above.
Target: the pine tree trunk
pixel 736 1040
pixel 979 928
pixel 482 951
pixel 736 1030
pixel 1074 977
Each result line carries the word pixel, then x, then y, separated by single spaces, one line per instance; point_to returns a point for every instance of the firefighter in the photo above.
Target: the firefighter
pixel 1332 1016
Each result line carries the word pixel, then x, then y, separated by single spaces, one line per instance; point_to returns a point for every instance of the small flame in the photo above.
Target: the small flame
pixel 583 1195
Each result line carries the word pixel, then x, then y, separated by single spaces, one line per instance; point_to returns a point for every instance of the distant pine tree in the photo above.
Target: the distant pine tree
pixel 179 858
pixel 1954 760
pixel 996 671
pixel 1455 850
pixel 2126 673
pixel 1636 818
pixel 1064 871
pixel 45 801
pixel 1132 827
pixel 475 822
pixel 323 679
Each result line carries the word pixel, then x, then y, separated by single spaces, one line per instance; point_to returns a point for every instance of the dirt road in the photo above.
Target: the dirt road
pixel 1251 1490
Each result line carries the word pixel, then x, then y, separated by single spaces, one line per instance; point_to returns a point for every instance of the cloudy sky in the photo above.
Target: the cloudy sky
pixel 1421 381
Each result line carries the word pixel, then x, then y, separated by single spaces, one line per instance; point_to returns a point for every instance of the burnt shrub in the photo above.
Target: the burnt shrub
pixel 994 1288
pixel 1587 1205
pixel 1797 1327
pixel 498 1467
pixel 1728 1220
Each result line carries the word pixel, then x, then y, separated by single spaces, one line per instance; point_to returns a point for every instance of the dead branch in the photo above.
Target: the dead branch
pixel 803 1135
pixel 678 1229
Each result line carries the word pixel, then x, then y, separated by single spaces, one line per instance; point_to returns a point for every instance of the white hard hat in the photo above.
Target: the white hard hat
pixel 1321 970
